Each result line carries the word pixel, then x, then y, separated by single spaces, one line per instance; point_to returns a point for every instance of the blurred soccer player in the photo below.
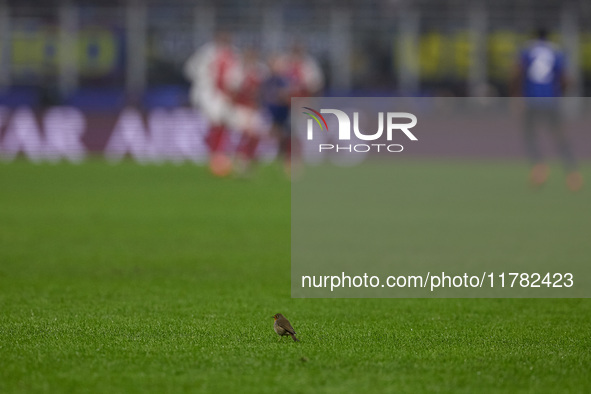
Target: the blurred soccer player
pixel 246 81
pixel 304 79
pixel 540 77
pixel 276 95
pixel 304 73
pixel 208 70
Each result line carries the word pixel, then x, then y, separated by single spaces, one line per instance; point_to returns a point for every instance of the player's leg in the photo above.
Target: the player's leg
pixel 246 153
pixel 216 137
pixel 289 145
pixel 252 126
pixel 284 141
pixel 574 179
pixel 539 170
pixel 293 158
pixel 215 108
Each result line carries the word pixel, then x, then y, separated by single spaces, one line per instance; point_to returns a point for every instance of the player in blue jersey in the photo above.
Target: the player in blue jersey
pixel 541 78
pixel 276 95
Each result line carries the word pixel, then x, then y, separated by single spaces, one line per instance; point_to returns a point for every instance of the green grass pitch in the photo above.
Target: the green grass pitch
pixel 164 279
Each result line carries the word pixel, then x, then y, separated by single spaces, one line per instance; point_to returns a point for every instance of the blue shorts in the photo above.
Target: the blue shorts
pixel 280 116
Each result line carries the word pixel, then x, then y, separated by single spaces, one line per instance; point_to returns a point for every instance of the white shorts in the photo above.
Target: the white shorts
pixel 250 120
pixel 215 105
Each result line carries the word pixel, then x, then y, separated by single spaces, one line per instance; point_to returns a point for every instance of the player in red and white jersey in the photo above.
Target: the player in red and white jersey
pixel 210 70
pixel 304 78
pixel 246 81
pixel 304 73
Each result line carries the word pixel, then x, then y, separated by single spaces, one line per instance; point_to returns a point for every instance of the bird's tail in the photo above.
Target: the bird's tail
pixel 294 338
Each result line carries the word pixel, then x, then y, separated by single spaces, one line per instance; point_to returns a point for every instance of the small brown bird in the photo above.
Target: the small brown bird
pixel 283 327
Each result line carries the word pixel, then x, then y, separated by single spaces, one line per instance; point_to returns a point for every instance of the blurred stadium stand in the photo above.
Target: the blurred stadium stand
pixel 104 54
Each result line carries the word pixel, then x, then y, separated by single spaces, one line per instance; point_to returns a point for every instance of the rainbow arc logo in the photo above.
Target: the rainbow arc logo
pixel 315 116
